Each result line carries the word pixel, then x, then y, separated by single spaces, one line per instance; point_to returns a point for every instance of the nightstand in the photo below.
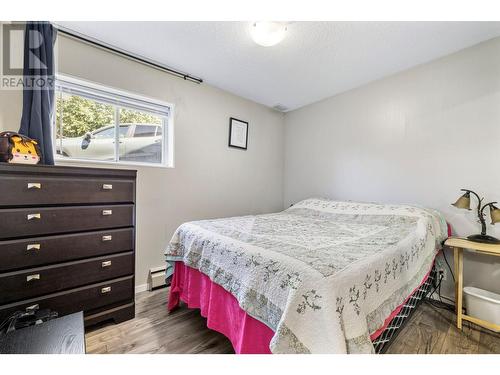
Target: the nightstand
pixel 458 245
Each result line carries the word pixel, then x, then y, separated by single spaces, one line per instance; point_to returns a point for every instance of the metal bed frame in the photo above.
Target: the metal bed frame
pixel 382 343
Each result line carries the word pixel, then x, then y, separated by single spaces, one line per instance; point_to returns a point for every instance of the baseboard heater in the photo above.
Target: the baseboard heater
pixel 157 278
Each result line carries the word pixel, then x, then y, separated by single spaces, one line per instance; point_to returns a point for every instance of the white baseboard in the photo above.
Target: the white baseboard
pixel 141 288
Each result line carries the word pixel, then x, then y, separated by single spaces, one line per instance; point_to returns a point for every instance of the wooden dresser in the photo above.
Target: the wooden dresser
pixel 67 241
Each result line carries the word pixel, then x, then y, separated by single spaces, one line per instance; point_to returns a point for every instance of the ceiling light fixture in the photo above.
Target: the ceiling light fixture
pixel 266 33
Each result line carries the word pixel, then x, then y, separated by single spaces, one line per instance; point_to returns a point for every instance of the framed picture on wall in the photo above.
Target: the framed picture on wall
pixel 238 133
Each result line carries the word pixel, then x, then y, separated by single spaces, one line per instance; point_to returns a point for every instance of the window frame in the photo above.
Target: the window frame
pixel 110 93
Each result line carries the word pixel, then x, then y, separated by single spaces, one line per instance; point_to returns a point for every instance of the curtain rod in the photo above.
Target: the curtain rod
pixel 143 60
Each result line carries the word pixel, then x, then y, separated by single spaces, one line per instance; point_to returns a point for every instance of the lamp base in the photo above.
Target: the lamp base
pixel 483 238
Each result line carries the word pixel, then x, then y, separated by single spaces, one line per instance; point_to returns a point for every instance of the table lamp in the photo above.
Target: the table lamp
pixel 464 202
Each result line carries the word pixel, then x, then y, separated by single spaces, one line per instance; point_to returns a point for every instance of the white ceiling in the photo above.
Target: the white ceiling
pixel 315 60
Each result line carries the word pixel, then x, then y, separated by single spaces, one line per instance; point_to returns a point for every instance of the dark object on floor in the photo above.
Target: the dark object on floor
pixel 63 335
pixel 23 319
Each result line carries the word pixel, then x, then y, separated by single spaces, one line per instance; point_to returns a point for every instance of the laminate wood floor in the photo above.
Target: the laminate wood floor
pixel 154 330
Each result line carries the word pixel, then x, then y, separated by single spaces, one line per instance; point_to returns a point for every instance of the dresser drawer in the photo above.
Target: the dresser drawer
pixel 37 251
pixel 20 285
pixel 26 190
pixel 78 299
pixel 25 222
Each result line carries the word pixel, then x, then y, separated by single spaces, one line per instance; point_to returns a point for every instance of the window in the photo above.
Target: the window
pixel 97 123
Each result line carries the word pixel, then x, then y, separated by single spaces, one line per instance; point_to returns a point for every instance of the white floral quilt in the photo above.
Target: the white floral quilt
pixel 323 275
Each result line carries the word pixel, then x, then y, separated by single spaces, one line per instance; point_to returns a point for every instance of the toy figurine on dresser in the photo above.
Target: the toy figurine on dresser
pixel 18 149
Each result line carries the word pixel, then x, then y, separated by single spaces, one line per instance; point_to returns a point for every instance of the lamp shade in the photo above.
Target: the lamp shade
pixel 495 214
pixel 463 201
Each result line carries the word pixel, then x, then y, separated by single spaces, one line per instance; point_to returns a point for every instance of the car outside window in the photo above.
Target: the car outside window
pixel 145 131
pixel 88 117
pixel 106 133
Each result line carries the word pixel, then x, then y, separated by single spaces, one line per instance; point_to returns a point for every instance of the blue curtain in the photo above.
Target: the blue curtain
pixel 38 93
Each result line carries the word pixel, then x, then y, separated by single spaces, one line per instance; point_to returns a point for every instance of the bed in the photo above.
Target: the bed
pixel 322 276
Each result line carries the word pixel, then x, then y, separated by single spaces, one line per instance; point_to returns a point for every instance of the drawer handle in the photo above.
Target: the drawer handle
pixel 107 238
pixel 106 263
pixel 106 289
pixel 32 307
pixel 107 187
pixel 34 185
pixel 33 246
pixel 34 216
pixel 35 276
pixel 107 212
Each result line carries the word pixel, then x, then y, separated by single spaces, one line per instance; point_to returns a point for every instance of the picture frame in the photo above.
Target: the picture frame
pixel 238 133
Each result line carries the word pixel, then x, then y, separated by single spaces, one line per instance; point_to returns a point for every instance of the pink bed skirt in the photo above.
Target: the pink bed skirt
pixel 223 313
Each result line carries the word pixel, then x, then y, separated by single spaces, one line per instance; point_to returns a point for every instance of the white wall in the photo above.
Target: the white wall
pixel 209 179
pixel 416 137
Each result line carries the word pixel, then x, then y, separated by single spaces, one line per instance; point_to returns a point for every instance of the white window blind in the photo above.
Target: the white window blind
pixel 97 123
pixel 93 92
